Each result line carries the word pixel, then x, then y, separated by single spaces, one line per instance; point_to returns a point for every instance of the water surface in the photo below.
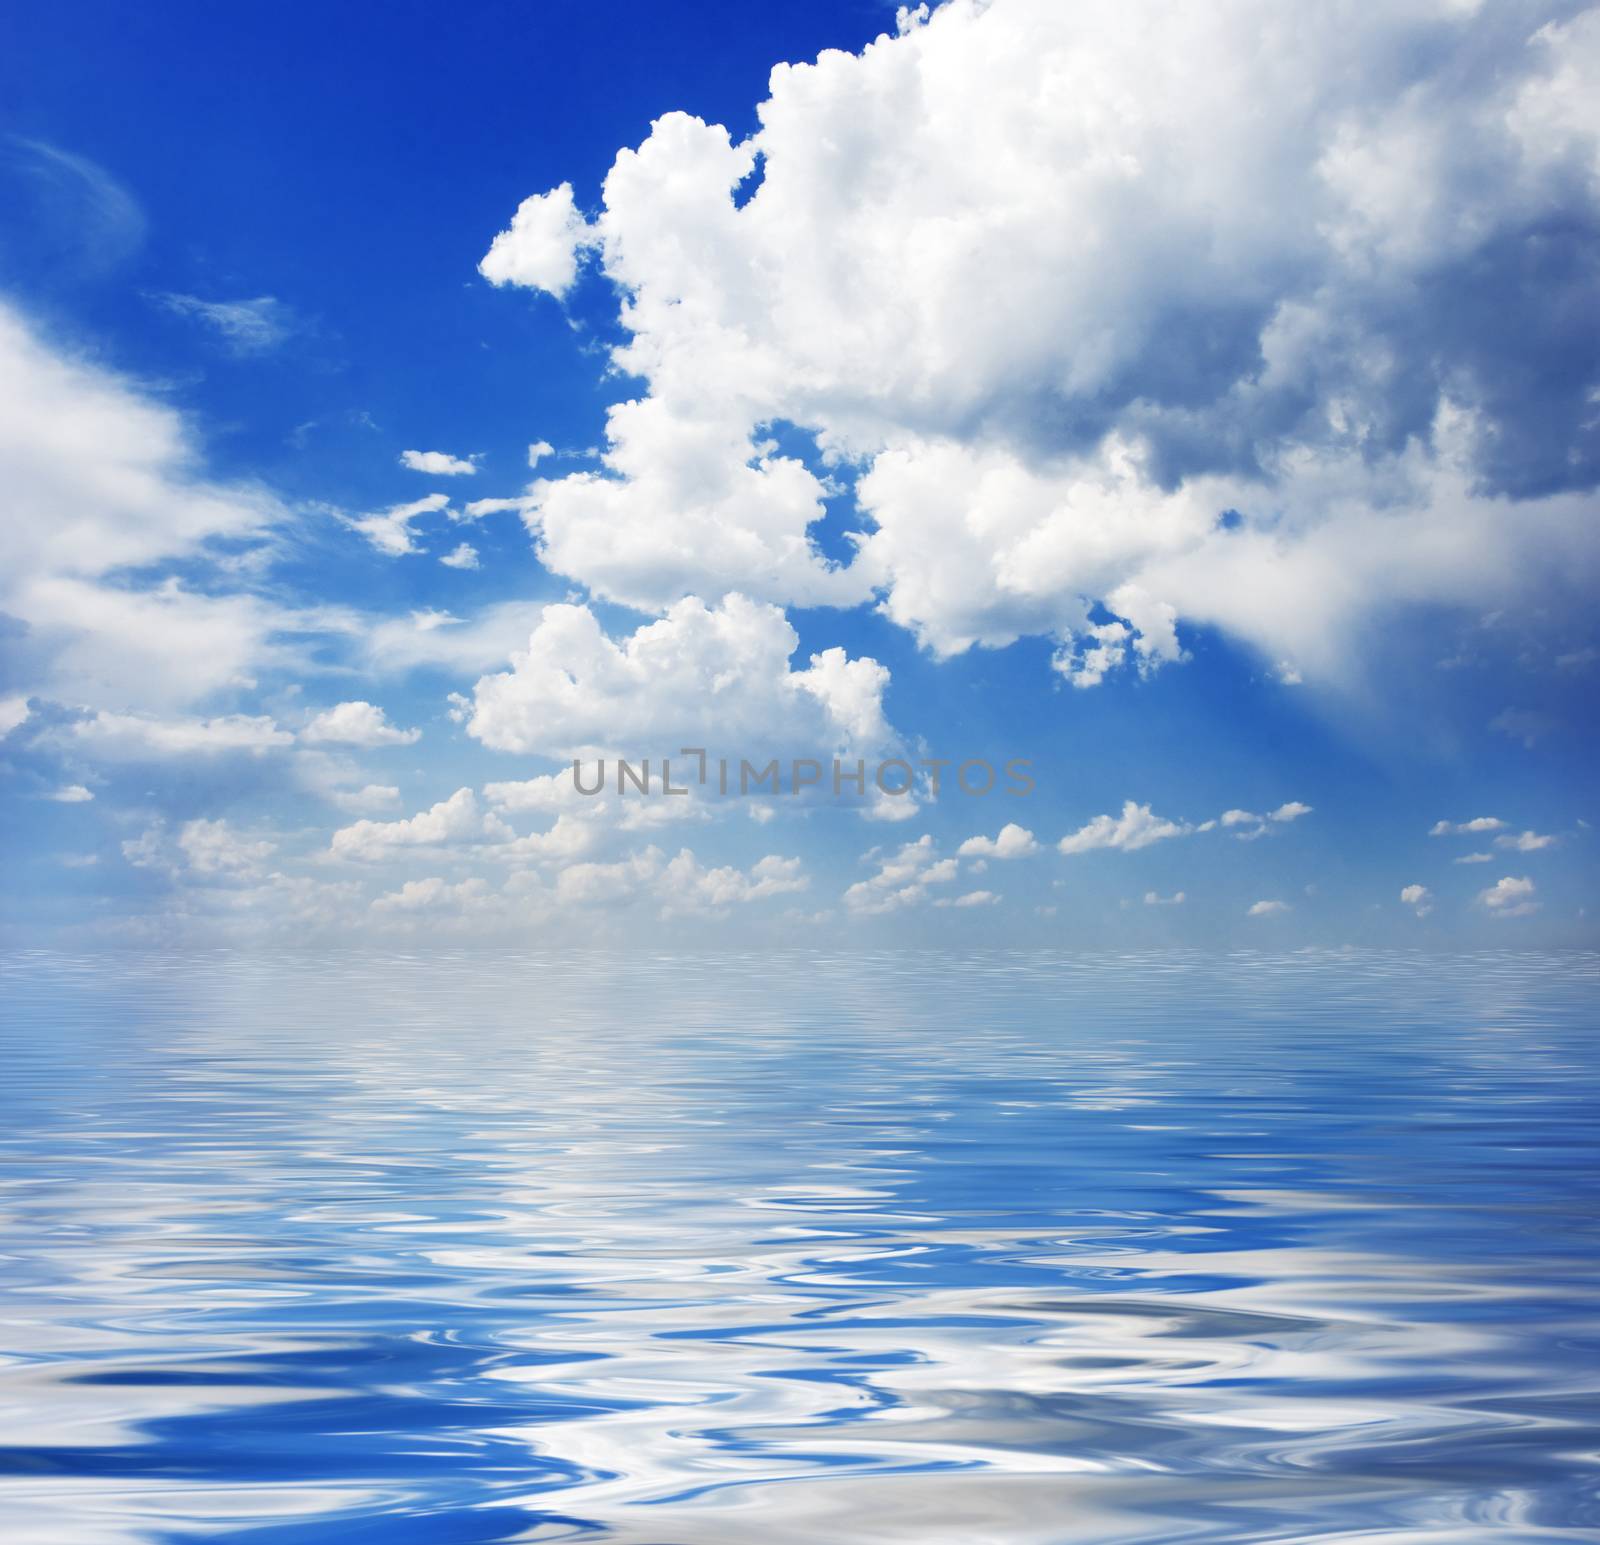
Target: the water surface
pixel 1005 1250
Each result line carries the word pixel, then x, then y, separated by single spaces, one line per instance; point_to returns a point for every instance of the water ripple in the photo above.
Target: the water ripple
pixel 1002 1250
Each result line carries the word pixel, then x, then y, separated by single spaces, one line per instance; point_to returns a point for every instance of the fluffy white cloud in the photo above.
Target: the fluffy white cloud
pixel 464 556
pixel 902 878
pixel 1013 841
pixel 969 899
pixel 1510 897
pixel 1247 826
pixel 1267 909
pixel 1526 842
pixel 1480 823
pixel 1476 858
pixel 1095 277
pixel 356 724
pixel 438 463
pixel 204 852
pixel 540 249
pixel 717 677
pixel 214 848
pixel 1156 899
pixel 432 894
pixel 70 794
pixel 1419 898
pixel 1137 827
pixel 681 885
pixel 390 530
pixel 454 822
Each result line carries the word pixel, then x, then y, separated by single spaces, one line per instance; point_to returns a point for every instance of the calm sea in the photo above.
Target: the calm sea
pixel 796 1250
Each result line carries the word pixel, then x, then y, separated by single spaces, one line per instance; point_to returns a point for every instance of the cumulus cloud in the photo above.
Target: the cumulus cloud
pixel 454 822
pixel 464 556
pixel 1267 909
pixel 390 530
pixel 969 899
pixel 1510 897
pixel 1525 842
pixel 1137 827
pixel 214 848
pixel 204 852
pixel 1476 858
pixel 432 894
pixel 1247 826
pixel 902 879
pixel 1013 841
pixel 1479 823
pixel 1156 899
pixel 680 885
pixel 710 676
pixel 1419 898
pixel 356 724
pixel 70 794
pixel 540 248
pixel 438 463
pixel 1095 277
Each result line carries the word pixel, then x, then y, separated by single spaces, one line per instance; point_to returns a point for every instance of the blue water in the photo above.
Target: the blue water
pixel 1008 1250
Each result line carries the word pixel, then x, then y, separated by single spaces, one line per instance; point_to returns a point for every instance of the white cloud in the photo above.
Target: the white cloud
pixel 540 249
pixel 246 326
pixel 205 852
pixel 1292 811
pixel 902 878
pixel 716 677
pixel 1480 823
pixel 134 737
pixel 1525 842
pixel 70 794
pixel 367 800
pixel 1419 898
pixel 390 530
pixel 686 886
pixel 1156 899
pixel 104 494
pixel 393 645
pixel 439 463
pixel 213 848
pixel 356 724
pixel 1475 858
pixel 432 894
pixel 1510 897
pixel 969 899
pixel 1013 841
pixel 1093 276
pixel 538 451
pixel 465 556
pixel 13 711
pixel 1137 827
pixel 1267 908
pixel 453 822
pixel 679 886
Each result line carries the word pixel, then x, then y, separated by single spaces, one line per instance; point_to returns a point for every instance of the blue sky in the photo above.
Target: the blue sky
pixel 1202 407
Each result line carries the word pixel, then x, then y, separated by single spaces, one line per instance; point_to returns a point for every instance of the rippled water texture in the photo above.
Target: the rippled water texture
pixel 900 1248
